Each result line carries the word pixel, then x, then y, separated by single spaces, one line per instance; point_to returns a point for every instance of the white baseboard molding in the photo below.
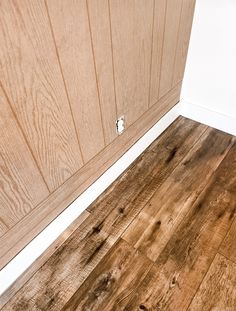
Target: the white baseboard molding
pixel 42 241
pixel 209 117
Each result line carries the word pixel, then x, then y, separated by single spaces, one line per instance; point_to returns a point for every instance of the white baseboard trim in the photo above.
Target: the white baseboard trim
pixel 209 117
pixel 42 241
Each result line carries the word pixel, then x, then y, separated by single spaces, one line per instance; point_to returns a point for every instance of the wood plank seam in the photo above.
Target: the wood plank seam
pixel 177 164
pixel 64 82
pixel 26 140
pixel 217 251
pixel 149 93
pixel 96 75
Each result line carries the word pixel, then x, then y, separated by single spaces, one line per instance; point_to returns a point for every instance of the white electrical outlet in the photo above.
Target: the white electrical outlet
pixel 120 125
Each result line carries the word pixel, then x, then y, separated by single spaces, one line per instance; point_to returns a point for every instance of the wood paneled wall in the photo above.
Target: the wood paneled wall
pixel 68 70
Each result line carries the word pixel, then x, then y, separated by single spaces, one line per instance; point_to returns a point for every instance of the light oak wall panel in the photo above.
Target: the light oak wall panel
pixel 72 34
pixel 21 185
pixel 172 23
pixel 157 46
pixel 101 39
pixel 131 24
pixel 68 69
pixel 31 77
pixel 183 39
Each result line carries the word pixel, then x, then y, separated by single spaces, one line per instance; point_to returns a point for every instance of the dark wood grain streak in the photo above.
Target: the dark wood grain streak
pixel 153 227
pixel 65 271
pixel 112 281
pixel 180 268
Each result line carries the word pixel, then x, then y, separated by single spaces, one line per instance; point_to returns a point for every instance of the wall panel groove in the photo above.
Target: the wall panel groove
pixel 31 78
pixel 68 70
pixel 75 52
pixel 64 82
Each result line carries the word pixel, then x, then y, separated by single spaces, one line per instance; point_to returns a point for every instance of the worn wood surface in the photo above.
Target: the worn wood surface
pixel 155 224
pixel 228 246
pixel 111 214
pixel 10 292
pixel 217 292
pixel 181 266
pixel 112 281
pixel 194 168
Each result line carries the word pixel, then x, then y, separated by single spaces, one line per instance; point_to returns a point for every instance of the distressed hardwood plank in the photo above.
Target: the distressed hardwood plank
pixel 31 77
pixel 183 39
pixel 153 227
pixel 21 185
pixel 26 229
pixel 101 39
pixel 157 45
pixel 228 247
pixel 65 271
pixel 179 270
pixel 73 42
pixel 217 292
pixel 12 290
pixel 173 13
pixel 112 281
pixel 150 170
pixel 131 24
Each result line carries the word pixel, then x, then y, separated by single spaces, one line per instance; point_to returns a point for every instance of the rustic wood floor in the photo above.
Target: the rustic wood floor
pixel 161 238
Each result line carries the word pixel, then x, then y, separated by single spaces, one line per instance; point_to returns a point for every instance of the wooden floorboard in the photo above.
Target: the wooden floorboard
pixel 153 227
pixel 181 266
pixel 173 208
pixel 217 292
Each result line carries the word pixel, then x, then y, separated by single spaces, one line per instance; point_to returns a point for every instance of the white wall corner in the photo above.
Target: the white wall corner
pixel 215 119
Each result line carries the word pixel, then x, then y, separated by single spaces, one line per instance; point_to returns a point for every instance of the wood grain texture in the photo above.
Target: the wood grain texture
pixel 131 24
pixel 183 39
pixel 101 40
pixel 157 46
pixel 153 227
pixel 217 292
pixel 172 21
pixel 73 42
pixel 57 281
pixel 23 232
pixel 112 281
pixel 228 247
pixel 31 77
pixel 21 185
pixel 39 262
pixel 179 270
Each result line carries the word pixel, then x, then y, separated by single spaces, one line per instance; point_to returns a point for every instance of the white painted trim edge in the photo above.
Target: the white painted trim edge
pixel 43 240
pixel 209 117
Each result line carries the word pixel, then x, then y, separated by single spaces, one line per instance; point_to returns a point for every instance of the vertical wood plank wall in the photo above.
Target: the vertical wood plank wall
pixel 68 70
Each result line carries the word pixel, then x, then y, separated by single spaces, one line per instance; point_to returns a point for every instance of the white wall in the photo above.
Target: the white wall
pixel 210 75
